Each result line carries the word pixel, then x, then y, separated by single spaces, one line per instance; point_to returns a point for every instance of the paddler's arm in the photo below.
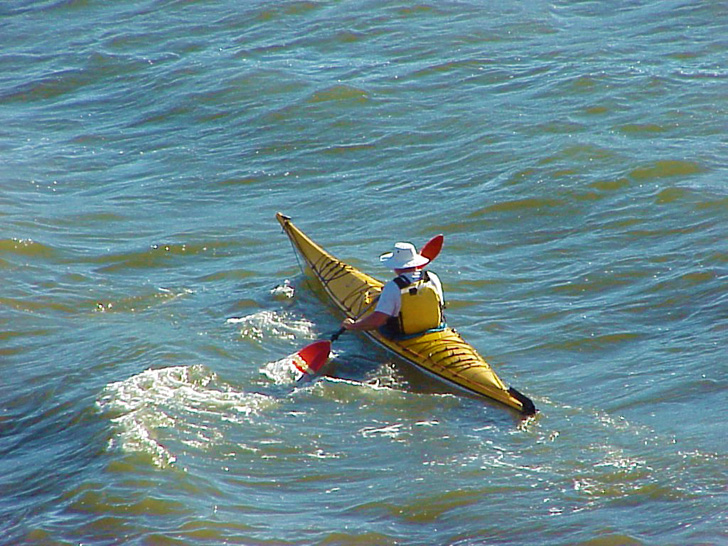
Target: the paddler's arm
pixel 370 322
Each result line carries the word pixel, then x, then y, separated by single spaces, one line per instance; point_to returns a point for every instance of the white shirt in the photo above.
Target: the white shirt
pixel 390 300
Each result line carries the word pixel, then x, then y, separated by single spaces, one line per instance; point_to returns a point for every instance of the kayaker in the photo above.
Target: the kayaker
pixel 409 304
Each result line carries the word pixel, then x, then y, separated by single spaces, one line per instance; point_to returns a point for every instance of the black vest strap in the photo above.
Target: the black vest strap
pixel 403 282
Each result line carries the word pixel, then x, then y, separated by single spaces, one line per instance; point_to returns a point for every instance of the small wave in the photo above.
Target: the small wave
pixel 37 304
pixel 300 7
pixel 161 255
pixel 133 304
pixel 666 169
pixel 523 205
pixel 670 195
pixel 48 87
pixel 397 431
pixel 590 343
pixel 264 324
pixel 339 93
pixel 610 185
pixel 179 398
pixel 384 383
pixel 390 431
pixel 26 248
pixel 648 129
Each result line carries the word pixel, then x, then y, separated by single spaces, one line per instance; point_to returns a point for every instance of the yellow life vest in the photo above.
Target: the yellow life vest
pixel 421 308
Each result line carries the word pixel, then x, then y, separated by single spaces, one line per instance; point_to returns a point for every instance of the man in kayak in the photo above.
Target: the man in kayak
pixel 411 303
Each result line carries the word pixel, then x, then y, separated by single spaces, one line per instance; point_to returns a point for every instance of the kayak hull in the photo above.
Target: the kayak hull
pixel 443 353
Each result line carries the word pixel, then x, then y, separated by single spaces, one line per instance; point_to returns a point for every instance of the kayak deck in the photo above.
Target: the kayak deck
pixel 442 353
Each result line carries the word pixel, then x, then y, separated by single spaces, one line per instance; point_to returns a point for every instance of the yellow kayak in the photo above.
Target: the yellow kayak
pixel 442 353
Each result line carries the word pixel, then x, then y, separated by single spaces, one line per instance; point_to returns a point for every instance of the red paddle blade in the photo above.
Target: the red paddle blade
pixel 312 358
pixel 432 248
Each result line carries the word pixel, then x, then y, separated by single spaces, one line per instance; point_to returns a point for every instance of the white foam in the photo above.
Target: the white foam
pixel 263 324
pixel 282 372
pixel 181 398
pixel 283 291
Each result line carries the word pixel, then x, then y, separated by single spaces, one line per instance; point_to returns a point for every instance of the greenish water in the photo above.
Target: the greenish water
pixel 573 155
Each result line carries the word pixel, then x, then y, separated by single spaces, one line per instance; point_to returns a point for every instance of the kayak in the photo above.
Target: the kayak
pixel 442 353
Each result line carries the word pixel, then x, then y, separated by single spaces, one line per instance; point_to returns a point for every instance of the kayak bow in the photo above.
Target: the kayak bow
pixel 442 353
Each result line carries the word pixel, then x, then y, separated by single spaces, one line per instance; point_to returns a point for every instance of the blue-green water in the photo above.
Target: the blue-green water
pixel 572 153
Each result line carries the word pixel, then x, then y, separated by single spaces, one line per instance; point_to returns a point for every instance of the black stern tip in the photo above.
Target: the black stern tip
pixel 528 406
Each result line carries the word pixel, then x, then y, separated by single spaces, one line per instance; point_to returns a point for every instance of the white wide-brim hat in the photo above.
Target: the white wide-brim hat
pixel 404 256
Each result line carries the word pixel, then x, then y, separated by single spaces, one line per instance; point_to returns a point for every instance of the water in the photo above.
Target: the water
pixel 573 155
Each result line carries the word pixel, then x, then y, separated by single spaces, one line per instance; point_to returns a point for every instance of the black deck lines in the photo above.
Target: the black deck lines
pixel 465 350
pixel 357 293
pixel 327 273
pixel 331 271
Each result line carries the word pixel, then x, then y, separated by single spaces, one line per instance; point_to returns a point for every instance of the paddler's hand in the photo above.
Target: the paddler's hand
pixel 376 320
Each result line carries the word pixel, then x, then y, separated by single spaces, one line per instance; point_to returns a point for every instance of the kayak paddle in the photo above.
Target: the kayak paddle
pixel 312 357
pixel 432 248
